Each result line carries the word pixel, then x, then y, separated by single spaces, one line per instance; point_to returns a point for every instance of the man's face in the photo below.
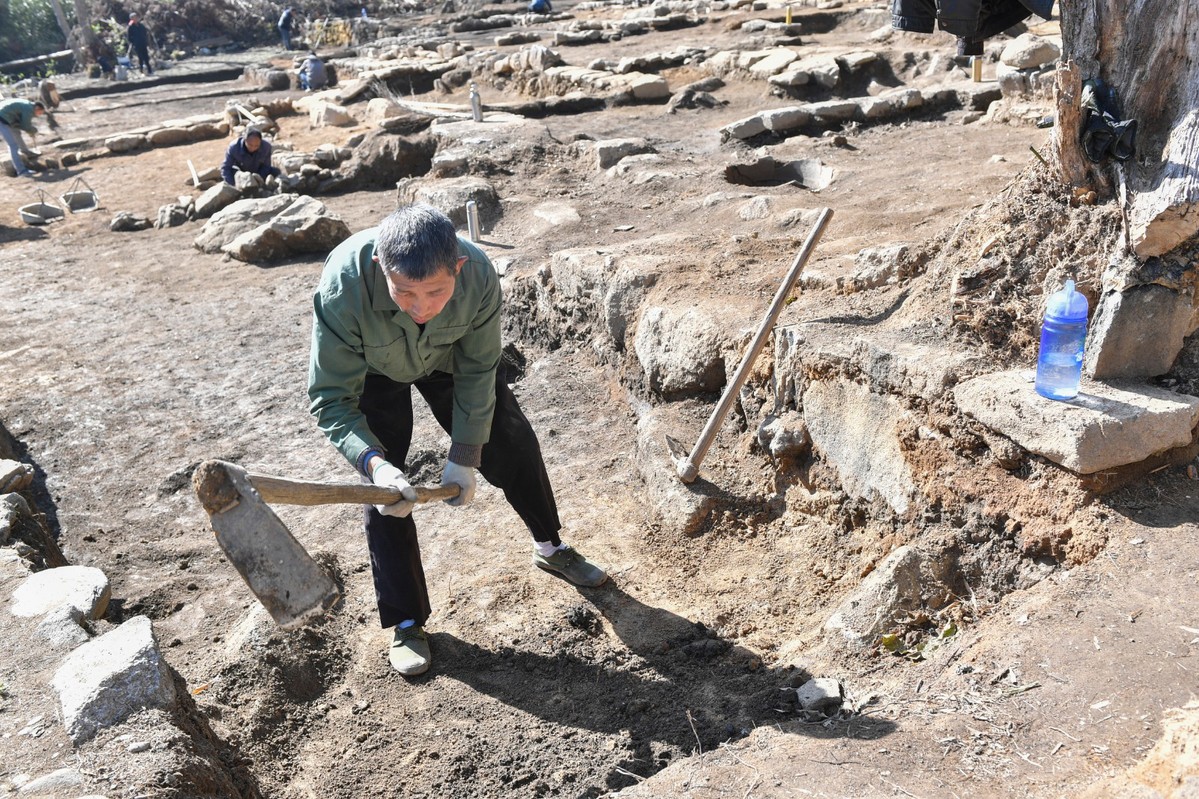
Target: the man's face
pixel 253 143
pixel 423 299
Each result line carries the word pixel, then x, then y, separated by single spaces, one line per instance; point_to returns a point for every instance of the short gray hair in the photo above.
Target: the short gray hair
pixel 416 242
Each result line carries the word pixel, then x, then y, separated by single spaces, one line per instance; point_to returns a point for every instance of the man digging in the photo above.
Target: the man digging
pixel 409 304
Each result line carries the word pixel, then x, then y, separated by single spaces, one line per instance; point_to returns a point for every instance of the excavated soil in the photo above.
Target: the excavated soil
pixel 131 357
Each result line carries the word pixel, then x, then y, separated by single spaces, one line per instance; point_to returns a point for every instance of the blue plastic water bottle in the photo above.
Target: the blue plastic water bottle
pixel 1063 335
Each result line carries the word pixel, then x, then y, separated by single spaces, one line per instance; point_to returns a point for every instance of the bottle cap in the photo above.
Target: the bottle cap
pixel 1067 305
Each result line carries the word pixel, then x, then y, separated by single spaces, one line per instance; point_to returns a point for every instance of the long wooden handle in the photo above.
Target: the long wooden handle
pixel 776 307
pixel 285 491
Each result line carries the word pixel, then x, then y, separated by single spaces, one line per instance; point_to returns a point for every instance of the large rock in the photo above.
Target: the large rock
pixel 781 120
pixel 834 111
pixel 680 351
pixel 215 198
pixel 889 361
pixel 1106 426
pixel 888 592
pixel 125 142
pixel 383 159
pixel 676 506
pixel 168 137
pixel 608 287
pixel 110 678
pixel 451 195
pixel 1029 51
pixel 609 151
pixel 857 432
pixel 380 109
pixel 125 221
pixel 1138 332
pixel 890 104
pixel 823 70
pixel 326 114
pixel 14 476
pixel 238 218
pixel 775 62
pixel 20 521
pixel 745 128
pixel 171 215
pixel 84 588
pixel 305 226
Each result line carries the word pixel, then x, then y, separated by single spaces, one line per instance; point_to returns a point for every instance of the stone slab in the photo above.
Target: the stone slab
pixel 857 433
pixel 1138 332
pixel 1105 426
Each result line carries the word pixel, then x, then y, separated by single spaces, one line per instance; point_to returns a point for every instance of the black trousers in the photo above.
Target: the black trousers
pixel 143 57
pixel 511 462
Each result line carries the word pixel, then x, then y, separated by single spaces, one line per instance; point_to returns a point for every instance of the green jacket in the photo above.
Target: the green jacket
pixel 17 113
pixel 359 330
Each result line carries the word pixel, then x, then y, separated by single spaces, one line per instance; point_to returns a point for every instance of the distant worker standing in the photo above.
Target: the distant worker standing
pixel 312 73
pixel 17 115
pixel 139 40
pixel 285 20
pixel 250 153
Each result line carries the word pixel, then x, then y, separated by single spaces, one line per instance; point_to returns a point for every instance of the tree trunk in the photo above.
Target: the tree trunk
pixel 65 27
pixel 1145 50
pixel 89 42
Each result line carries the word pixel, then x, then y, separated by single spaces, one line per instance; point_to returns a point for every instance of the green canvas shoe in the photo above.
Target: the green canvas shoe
pixel 410 654
pixel 570 564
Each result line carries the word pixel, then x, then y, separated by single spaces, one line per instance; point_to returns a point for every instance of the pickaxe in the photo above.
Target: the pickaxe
pixel 687 463
pixel 280 572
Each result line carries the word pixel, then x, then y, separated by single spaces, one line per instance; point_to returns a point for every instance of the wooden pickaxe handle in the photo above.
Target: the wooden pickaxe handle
pixel 285 491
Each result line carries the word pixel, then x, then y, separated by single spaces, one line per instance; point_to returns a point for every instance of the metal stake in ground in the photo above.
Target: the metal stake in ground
pixel 687 466
pixel 280 572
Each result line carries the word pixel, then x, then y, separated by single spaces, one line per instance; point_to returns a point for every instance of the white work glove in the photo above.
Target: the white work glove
pixel 464 478
pixel 386 474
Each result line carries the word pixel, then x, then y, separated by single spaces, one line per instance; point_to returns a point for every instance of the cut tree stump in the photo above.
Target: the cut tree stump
pixel 1144 49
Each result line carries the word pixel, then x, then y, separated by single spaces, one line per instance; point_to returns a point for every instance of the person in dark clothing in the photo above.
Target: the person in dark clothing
pixel 139 40
pixel 250 153
pixel 285 20
pixel 410 305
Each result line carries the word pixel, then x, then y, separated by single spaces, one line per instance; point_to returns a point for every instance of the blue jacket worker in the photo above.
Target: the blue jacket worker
pixel 250 153
pixel 410 305
pixel 285 27
pixel 16 115
pixel 312 73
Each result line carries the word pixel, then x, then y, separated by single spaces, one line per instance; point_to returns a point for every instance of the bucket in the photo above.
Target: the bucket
pixel 40 213
pixel 120 72
pixel 77 200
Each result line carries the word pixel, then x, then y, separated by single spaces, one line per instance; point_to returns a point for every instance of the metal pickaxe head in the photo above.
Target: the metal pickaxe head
pixel 681 456
pixel 280 572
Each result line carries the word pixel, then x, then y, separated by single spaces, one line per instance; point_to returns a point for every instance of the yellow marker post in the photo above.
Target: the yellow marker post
pixel 788 15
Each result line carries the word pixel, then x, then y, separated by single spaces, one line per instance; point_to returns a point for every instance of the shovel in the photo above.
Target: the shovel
pixel 687 464
pixel 280 572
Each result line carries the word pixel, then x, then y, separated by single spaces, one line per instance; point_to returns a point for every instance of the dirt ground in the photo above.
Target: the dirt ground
pixel 128 358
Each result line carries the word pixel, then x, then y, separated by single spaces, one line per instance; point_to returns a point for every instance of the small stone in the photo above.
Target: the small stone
pixel 139 746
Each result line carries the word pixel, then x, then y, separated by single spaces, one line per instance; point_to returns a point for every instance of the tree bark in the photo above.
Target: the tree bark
pixel 1145 50
pixel 65 27
pixel 87 38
